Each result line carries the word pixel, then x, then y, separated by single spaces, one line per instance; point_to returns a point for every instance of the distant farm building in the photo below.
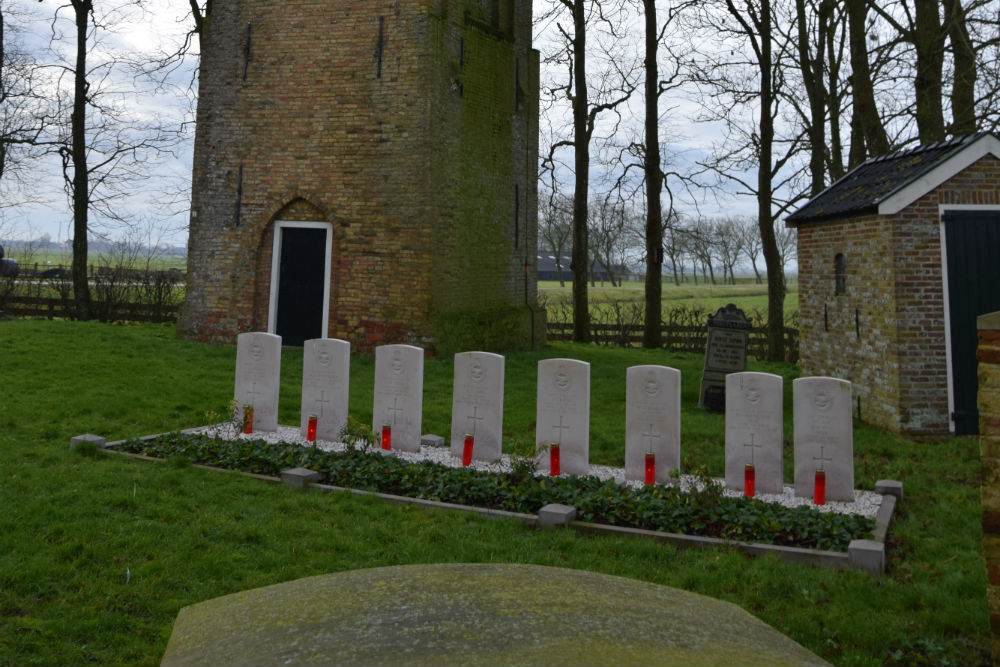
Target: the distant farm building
pixel 548 270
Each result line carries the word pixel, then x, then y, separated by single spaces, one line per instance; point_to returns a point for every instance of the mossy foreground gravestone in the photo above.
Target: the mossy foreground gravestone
pixel 474 614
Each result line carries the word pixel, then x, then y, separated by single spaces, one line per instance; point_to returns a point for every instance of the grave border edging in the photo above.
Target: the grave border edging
pixel 864 555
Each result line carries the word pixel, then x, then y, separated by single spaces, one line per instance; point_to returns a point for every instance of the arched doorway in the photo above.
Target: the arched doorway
pixel 299 307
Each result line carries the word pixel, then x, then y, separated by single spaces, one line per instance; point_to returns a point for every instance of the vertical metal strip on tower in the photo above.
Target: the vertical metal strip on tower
pixel 246 51
pixel 381 45
pixel 239 197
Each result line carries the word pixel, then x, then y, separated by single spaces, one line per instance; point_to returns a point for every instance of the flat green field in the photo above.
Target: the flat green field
pixel 49 257
pixel 705 298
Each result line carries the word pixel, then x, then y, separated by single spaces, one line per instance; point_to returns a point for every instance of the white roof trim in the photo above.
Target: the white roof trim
pixel 896 201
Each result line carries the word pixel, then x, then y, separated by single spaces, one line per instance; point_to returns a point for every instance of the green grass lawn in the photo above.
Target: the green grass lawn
pixel 99 553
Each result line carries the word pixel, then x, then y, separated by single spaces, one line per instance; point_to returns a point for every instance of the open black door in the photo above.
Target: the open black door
pixel 301 284
pixel 972 240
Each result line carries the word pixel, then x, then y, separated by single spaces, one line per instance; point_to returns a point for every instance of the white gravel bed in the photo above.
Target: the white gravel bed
pixel 866 503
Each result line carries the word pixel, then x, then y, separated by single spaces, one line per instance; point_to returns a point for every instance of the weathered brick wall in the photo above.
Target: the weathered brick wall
pixel 989 439
pixel 849 336
pixel 895 299
pixel 322 119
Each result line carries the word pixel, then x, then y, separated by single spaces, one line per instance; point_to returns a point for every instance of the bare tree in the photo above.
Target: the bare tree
pixel 674 245
pixel 750 243
pixel 813 37
pixel 744 77
pixel 700 241
pixel 24 111
pixel 787 238
pixel 868 135
pixel 103 149
pixel 555 228
pixel 728 246
pixel 614 235
pixel 614 87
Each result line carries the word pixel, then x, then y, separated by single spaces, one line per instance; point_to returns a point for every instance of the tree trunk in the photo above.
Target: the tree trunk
pixel 963 90
pixel 834 60
pixel 866 123
pixel 928 38
pixel 581 145
pixel 78 150
pixel 652 333
pixel 765 219
pixel 812 77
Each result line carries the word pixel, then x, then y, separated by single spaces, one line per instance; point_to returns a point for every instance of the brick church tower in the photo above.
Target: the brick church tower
pixel 366 171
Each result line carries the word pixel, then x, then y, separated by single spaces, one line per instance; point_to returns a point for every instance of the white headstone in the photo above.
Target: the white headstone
pixel 326 364
pixel 754 430
pixel 258 378
pixel 563 414
pixel 399 387
pixel 652 421
pixel 824 436
pixel 477 404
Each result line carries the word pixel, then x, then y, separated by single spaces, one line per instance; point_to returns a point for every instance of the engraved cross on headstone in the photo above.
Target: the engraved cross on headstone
pixel 650 437
pixel 393 410
pixel 822 459
pixel 475 417
pixel 559 429
pixel 752 447
pixel 321 400
pixel 253 393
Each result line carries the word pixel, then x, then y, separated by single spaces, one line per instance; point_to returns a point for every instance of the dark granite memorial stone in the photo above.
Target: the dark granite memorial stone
pixel 725 352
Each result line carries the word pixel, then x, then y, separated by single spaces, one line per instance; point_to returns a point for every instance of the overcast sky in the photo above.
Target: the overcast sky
pixel 159 203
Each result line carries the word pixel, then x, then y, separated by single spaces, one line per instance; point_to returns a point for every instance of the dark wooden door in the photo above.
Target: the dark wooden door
pixel 301 282
pixel 972 240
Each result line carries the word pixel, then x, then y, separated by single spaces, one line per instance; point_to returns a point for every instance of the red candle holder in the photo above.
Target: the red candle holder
pixel 467 451
pixel 554 460
pixel 311 429
pixel 248 419
pixel 819 495
pixel 650 468
pixel 386 436
pixel 749 480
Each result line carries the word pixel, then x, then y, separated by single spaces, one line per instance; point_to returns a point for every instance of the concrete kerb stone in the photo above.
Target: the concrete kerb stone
pixel 866 555
pixel 299 478
pixel 883 518
pixel 556 515
pixel 889 487
pixel 431 440
pixel 90 438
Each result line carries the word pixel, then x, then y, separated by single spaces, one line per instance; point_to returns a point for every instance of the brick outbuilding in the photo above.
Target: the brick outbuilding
pixel 366 171
pixel 896 261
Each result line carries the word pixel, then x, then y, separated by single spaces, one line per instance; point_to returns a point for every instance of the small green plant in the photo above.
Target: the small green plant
pixel 704 510
pixel 357 436
pixel 523 460
pixel 226 425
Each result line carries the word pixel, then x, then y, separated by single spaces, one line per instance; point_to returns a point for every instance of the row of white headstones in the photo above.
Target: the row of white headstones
pixel 823 432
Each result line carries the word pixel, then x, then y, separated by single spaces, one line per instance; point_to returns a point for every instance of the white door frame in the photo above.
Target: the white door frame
pixel 272 308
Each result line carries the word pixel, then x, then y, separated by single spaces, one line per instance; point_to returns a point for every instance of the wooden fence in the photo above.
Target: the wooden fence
pixel 678 338
pixel 52 307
